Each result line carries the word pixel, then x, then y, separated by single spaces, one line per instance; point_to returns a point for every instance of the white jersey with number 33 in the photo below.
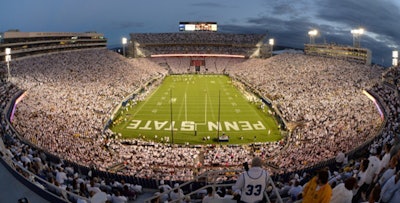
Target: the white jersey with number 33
pixel 254 187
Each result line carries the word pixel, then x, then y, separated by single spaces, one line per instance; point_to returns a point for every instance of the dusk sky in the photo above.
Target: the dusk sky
pixel 288 21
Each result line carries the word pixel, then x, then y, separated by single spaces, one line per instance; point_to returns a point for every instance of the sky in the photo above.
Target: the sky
pixel 287 21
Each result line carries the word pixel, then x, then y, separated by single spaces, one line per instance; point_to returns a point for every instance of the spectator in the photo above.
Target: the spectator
pixel 317 190
pixel 295 190
pixel 211 196
pixel 390 192
pixel 176 194
pixel 252 183
pixel 343 192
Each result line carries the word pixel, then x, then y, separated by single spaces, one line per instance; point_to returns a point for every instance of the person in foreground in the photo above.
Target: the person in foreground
pixel 343 193
pixel 252 182
pixel 317 190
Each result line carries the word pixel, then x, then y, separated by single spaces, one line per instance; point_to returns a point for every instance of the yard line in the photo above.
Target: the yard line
pixel 205 109
pixel 185 108
pixel 146 100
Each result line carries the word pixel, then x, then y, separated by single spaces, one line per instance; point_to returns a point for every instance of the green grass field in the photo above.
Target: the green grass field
pixel 198 102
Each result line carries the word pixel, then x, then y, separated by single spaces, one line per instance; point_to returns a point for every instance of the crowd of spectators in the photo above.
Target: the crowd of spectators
pixel 196 38
pixel 322 98
pixel 181 65
pixel 147 44
pixel 70 96
pixel 69 99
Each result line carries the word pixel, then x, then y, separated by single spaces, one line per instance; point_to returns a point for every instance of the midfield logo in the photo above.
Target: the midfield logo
pixel 191 125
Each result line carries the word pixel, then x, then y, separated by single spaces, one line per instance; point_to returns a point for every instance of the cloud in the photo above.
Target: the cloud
pixel 379 18
pixel 333 19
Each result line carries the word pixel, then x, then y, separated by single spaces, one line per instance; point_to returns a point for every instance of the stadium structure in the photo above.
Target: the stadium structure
pixel 57 103
pixel 25 44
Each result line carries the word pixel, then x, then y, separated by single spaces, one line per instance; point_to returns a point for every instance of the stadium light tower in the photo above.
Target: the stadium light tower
pixel 357 36
pixel 8 59
pixel 312 34
pixel 395 60
pixel 124 41
pixel 271 44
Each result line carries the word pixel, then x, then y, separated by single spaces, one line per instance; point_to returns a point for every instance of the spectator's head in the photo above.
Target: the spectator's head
pixel 187 198
pixel 209 190
pixel 323 176
pixel 393 162
pixel 256 162
pixel 176 187
pixel 364 165
pixel 388 147
pixel 349 183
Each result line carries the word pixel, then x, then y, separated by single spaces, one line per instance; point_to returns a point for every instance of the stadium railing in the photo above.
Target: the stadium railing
pixel 211 179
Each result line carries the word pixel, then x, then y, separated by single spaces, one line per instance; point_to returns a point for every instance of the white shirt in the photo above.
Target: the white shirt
pixel 340 157
pixel 340 194
pixel 176 195
pixel 210 199
pixel 61 177
pixel 373 169
pixel 385 161
pixel 119 199
pixel 257 178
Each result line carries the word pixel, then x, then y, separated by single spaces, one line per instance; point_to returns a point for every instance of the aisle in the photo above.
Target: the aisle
pixel 11 189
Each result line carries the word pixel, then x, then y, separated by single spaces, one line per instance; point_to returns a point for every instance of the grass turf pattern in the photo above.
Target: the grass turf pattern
pixel 196 103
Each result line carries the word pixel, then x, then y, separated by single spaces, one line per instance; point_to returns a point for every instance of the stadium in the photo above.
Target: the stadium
pixel 159 111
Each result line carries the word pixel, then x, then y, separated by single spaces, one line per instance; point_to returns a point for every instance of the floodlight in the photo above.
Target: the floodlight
pixel 395 54
pixel 124 40
pixel 271 41
pixel 356 36
pixel 8 59
pixel 313 32
pixel 395 62
pixel 357 31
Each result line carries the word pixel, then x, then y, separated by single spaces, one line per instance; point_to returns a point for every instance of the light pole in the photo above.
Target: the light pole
pixel 395 63
pixel 357 36
pixel 395 60
pixel 8 59
pixel 124 41
pixel 312 34
pixel 271 44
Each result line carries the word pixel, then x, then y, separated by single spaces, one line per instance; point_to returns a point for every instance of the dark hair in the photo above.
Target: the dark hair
pixel 388 146
pixel 246 166
pixel 365 164
pixel 209 190
pixel 323 176
pixel 349 183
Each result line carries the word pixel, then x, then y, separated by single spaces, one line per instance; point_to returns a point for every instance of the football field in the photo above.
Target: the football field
pixel 198 109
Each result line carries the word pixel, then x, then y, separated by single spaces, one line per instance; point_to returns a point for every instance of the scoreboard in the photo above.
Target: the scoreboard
pixel 198 26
